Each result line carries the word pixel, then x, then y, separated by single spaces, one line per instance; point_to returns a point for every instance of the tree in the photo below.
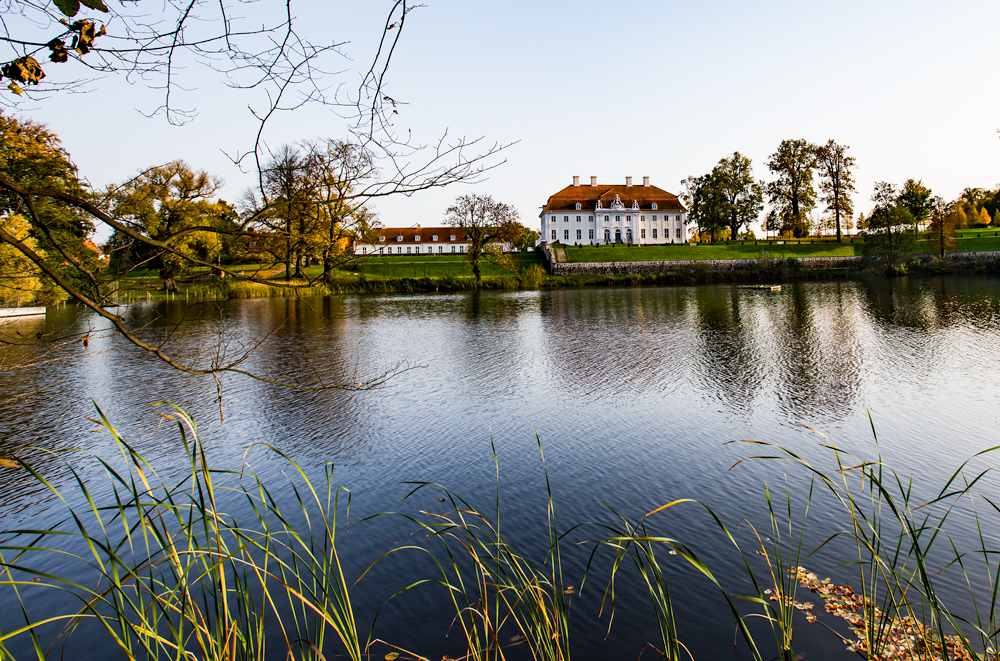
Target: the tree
pixel 742 198
pixel 836 181
pixel 521 237
pixel 916 198
pixel 703 198
pixel 174 204
pixel 488 224
pixel 886 226
pixel 792 192
pixel 943 226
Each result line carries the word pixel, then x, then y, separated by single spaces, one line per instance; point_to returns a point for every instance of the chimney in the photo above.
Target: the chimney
pixel 628 181
pixel 593 181
pixel 645 182
pixel 576 181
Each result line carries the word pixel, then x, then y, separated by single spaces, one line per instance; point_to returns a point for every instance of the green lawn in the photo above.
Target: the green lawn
pixel 970 241
pixel 433 266
pixel 705 251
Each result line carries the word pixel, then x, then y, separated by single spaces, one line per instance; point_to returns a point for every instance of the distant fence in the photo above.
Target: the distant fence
pixel 625 268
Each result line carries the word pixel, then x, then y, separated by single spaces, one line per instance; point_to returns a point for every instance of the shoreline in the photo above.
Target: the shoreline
pixel 613 274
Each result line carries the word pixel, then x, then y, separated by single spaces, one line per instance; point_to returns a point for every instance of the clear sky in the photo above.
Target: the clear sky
pixel 644 88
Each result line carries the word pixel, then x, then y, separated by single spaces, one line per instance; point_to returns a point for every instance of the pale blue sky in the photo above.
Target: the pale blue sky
pixel 659 89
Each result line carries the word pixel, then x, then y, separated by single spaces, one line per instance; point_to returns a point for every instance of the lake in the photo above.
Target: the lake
pixel 633 393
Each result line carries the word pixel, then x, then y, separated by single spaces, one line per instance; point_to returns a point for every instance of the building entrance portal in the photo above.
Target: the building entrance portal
pixel 618 236
pixel 607 236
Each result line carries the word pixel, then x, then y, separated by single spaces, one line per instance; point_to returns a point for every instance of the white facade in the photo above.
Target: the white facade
pixel 416 241
pixel 600 214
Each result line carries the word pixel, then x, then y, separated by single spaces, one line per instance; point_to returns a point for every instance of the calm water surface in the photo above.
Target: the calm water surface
pixel 633 393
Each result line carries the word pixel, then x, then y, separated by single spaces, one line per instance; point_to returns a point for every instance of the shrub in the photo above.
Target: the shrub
pixel 531 276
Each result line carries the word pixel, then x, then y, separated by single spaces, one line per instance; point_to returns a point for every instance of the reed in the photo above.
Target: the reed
pixel 164 572
pixel 493 587
pixel 178 578
pixel 903 547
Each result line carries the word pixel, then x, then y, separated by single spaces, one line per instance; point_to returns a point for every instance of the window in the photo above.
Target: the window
pixel 678 219
pixel 399 251
pixel 578 207
pixel 590 219
pixel 654 209
pixel 642 233
pixel 407 250
pixel 578 219
pixel 590 233
pixel 654 219
pixel 453 248
pixel 434 237
pixel 642 218
pixel 381 250
pixel 452 238
pixel 565 219
pixel 579 234
pixel 654 232
pixel 565 235
pixel 618 219
pixel 416 237
pixel 628 219
pixel 461 249
pixel 553 237
pixel 381 238
pixel 399 238
pixel 607 218
pixel 678 232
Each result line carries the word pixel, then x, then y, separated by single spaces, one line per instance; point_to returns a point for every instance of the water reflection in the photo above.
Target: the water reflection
pixel 633 392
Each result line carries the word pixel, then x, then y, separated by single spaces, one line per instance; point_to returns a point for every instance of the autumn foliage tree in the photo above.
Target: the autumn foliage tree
pixel 944 222
pixel 836 181
pixel 488 224
pixel 176 205
pixel 792 192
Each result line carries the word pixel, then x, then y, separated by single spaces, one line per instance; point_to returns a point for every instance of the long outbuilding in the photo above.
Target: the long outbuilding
pixel 416 241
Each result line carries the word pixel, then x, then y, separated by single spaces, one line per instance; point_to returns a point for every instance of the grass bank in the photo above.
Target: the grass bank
pixel 157 566
pixel 969 241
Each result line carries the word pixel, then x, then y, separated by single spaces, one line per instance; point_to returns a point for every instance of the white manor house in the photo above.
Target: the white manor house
pixel 613 213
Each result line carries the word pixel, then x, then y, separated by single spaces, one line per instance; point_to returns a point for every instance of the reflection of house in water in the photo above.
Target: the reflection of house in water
pixel 613 213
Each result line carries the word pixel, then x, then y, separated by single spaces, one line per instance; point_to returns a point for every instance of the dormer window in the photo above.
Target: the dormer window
pixel 399 238
pixel 416 237
pixel 381 238
pixel 434 237
pixel 654 206
pixel 578 206
pixel 452 237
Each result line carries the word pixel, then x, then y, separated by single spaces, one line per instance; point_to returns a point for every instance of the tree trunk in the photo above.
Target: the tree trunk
pixel 836 203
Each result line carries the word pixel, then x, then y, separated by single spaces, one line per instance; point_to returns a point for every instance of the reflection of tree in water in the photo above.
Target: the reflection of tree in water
pixel 900 302
pixel 928 303
pixel 817 352
pixel 728 356
pixel 611 341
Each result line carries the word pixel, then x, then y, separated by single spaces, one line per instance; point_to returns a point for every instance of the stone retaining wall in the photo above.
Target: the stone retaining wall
pixel 625 268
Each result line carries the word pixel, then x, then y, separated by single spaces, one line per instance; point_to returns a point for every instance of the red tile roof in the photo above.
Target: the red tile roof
pixel 587 196
pixel 426 235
